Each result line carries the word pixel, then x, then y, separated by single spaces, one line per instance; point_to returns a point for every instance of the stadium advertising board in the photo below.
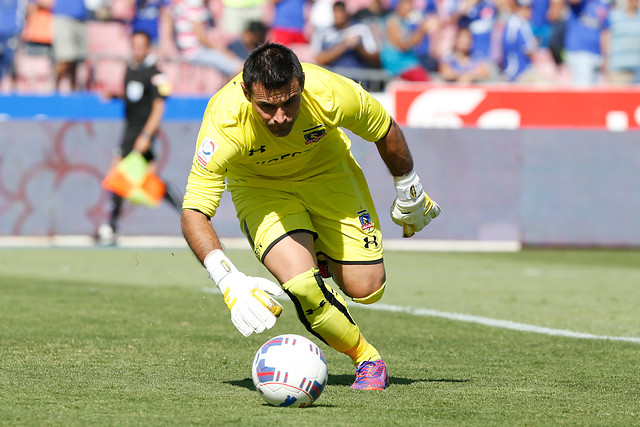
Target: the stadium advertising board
pixel 510 107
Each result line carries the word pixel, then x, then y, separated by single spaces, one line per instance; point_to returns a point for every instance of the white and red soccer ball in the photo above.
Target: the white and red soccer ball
pixel 289 370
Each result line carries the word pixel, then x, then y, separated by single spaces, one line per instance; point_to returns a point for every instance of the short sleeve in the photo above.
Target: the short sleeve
pixel 359 111
pixel 215 149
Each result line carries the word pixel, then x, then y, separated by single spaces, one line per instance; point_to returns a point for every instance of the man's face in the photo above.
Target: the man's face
pixel 278 108
pixel 340 17
pixel 140 47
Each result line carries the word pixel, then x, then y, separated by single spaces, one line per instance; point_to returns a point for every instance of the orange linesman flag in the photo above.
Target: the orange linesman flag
pixel 132 180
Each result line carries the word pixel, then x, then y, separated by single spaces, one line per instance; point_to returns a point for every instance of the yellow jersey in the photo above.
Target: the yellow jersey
pixel 234 141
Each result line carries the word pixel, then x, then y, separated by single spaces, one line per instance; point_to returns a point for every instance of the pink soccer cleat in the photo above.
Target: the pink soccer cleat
pixel 371 376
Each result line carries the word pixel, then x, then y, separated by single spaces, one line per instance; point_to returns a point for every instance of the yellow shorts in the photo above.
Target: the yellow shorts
pixel 335 206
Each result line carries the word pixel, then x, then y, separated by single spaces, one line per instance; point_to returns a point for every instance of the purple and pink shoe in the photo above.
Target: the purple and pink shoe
pixel 371 376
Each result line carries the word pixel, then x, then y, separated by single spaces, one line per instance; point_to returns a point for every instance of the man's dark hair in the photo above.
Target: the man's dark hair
pixel 340 4
pixel 273 66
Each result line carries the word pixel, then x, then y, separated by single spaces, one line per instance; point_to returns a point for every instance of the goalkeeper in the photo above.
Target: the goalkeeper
pixel 274 133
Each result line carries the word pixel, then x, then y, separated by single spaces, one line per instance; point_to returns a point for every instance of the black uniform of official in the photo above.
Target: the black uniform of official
pixel 143 84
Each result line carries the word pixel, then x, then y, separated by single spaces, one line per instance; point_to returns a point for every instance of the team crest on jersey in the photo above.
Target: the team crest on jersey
pixel 314 134
pixel 365 220
pixel 205 152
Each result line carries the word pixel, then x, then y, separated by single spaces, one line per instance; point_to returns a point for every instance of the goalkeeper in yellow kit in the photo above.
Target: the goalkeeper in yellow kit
pixel 274 134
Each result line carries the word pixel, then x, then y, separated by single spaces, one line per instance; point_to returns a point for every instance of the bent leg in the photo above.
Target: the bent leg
pixel 324 313
pixel 322 310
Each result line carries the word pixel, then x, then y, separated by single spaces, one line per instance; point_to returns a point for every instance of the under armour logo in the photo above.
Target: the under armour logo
pixel 310 311
pixel 262 149
pixel 373 241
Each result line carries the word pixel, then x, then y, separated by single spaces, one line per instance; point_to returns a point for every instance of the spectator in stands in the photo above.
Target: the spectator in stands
pixel 372 14
pixel 149 16
pixel 191 18
pixel 38 28
pixel 557 16
pixel 238 14
pixel 345 44
pixel 397 55
pixel 320 16
pixel 12 13
pixel 252 37
pixel 540 23
pixel 460 66
pixel 518 42
pixel 425 49
pixel 69 39
pixel 145 90
pixel 624 49
pixel 480 16
pixel 288 24
pixel 586 34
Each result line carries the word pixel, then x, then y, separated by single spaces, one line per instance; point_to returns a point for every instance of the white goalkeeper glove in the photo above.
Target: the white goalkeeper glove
pixel 248 298
pixel 412 209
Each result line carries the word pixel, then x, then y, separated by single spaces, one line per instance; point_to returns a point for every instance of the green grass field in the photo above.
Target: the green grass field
pixel 131 337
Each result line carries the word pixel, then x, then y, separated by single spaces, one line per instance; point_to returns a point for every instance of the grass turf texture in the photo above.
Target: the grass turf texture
pixel 125 337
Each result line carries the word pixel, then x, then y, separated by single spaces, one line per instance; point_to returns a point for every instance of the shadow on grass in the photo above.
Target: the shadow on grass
pixel 248 384
pixel 347 380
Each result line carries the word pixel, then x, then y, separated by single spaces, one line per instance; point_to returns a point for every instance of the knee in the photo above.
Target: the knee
pixel 372 297
pixel 367 290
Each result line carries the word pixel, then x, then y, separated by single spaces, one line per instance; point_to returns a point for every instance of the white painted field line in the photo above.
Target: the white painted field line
pixel 496 323
pixel 486 321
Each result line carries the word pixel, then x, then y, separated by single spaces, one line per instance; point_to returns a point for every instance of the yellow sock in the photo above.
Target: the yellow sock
pixel 363 351
pixel 325 314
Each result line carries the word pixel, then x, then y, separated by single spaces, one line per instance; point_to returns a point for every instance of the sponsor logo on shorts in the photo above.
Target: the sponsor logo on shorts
pixel 365 220
pixel 205 152
pixel 370 242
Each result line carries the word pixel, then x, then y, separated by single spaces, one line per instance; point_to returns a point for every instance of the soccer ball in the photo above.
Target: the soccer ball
pixel 289 370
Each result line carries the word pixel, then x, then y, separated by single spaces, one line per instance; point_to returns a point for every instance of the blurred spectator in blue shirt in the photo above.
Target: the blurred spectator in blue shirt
pixel 148 16
pixel 459 65
pixel 288 24
pixel 69 39
pixel 345 44
pixel 586 34
pixel 480 16
pixel 12 14
pixel 425 48
pixel 518 41
pixel 546 18
pixel 624 48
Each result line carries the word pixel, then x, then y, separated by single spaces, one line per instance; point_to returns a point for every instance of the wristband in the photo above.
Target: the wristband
pixel 218 265
pixel 408 186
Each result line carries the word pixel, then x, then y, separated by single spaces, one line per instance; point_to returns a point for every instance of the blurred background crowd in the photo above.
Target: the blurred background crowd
pixel 66 45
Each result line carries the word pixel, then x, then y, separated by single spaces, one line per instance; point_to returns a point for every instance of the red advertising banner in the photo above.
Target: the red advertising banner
pixel 512 107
